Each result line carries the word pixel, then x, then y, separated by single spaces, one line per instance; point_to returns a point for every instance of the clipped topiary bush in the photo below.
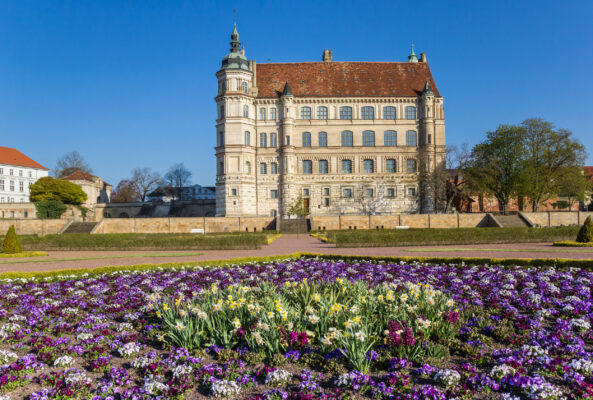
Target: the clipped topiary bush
pixel 50 209
pixel 12 243
pixel 585 234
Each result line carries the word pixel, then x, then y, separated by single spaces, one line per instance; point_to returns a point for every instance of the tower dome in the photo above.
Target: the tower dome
pixel 235 59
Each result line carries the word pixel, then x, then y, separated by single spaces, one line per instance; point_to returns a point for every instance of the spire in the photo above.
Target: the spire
pixel 287 92
pixel 235 43
pixel 427 90
pixel 412 57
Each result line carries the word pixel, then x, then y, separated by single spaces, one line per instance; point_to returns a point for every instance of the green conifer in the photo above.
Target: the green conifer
pixel 585 234
pixel 12 243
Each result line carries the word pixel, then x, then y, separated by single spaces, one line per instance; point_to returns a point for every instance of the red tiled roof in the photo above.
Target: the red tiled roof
pixel 344 79
pixel 80 176
pixel 588 171
pixel 14 157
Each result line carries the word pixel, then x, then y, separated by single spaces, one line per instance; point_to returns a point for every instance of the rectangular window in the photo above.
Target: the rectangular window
pixel 390 138
pixel 2 184
pixel 326 201
pixel 390 192
pixel 323 167
pixel 347 166
pixel 369 166
pixel 12 186
pixel 307 167
pixel 410 112
pixel 429 139
pixel 11 172
pixel 247 138
pixel 263 140
pixel 322 112
pixel 306 192
pixel 306 113
pixel 347 139
pixel 345 112
pixel 306 139
pixel 262 114
pixel 233 192
pixel 410 166
pixel 326 191
pixel 368 138
pixel 411 138
pixel 274 193
pixel 273 113
pixel 273 168
pixel 20 172
pixel 389 112
pixel 1 171
pixel 390 166
pixel 368 113
pixel 322 139
pixel 369 192
pixel 287 140
pixel 273 140
pixel 411 192
pixel 348 193
pixel 245 111
pixel 21 186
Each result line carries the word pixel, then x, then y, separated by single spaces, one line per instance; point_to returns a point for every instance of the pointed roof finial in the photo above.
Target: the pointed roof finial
pixel 427 90
pixel 412 57
pixel 235 43
pixel 287 92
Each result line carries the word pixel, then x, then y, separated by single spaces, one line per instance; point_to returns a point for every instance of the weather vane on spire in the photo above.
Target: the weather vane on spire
pixel 235 16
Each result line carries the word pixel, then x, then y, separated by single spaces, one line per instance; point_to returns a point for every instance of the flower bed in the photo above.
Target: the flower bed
pixel 300 329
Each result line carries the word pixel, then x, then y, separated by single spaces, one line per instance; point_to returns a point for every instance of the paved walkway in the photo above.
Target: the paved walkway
pixel 285 245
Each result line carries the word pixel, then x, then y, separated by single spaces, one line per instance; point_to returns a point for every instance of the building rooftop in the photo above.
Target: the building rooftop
pixel 344 79
pixel 10 156
pixel 80 176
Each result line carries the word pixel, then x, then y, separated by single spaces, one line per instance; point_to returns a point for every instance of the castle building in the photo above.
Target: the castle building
pixel 346 137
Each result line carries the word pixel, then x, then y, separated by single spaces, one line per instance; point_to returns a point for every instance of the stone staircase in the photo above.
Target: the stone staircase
pixel 80 227
pixel 294 225
pixel 511 221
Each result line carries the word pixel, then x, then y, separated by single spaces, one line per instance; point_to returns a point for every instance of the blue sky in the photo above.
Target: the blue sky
pixel 131 83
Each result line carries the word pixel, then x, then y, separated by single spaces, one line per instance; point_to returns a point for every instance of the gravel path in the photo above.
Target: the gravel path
pixel 290 244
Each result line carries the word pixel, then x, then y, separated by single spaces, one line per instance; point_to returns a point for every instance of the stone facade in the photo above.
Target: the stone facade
pixel 348 137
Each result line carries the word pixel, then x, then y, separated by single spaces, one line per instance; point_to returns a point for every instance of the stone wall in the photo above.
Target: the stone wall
pixel 557 218
pixel 33 226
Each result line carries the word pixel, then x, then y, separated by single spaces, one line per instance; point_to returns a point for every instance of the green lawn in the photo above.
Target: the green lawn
pixel 58 259
pixel 435 236
pixel 453 250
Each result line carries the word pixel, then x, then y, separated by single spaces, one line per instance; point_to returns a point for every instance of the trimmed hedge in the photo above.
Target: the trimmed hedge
pixel 572 243
pixel 443 236
pixel 11 243
pixel 133 241
pixel 585 234
pixel 510 262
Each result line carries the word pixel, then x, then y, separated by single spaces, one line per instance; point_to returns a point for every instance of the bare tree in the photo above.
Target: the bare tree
pixel 125 192
pixel 366 199
pixel 178 177
pixel 144 181
pixel 70 163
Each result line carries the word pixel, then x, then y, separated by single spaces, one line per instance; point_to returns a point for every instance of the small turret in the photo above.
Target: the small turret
pixel 427 90
pixel 412 57
pixel 236 58
pixel 287 92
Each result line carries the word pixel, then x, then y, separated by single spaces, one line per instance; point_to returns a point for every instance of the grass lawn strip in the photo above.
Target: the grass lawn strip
pixel 469 249
pixel 144 255
pixel 24 254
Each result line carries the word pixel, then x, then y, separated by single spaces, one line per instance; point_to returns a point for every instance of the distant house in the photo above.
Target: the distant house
pixel 194 192
pixel 17 173
pixel 96 189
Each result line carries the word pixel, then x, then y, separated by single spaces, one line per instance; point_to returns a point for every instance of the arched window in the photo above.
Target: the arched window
pixel 247 138
pixel 262 114
pixel 368 112
pixel 305 112
pixel 273 168
pixel 246 111
pixel 410 166
pixel 263 141
pixel 273 140
pixel 345 112
pixel 389 112
pixel 369 166
pixel 347 166
pixel 273 113
pixel 307 167
pixel 368 138
pixel 247 167
pixel 323 167
pixel 244 87
pixel 321 112
pixel 322 139
pixel 411 138
pixel 410 112
pixel 263 168
pixel 221 116
pixel 390 138
pixel 306 139
pixel 390 165
pixel 347 139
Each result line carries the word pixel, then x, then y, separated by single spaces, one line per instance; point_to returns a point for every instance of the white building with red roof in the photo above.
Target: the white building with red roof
pixel 17 173
pixel 346 137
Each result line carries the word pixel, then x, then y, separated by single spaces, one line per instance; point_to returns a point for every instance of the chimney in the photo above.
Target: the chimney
pixel 327 55
pixel 423 57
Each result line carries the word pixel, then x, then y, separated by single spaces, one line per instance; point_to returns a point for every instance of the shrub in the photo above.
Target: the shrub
pixel 50 209
pixel 12 243
pixel 585 234
pixel 49 188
